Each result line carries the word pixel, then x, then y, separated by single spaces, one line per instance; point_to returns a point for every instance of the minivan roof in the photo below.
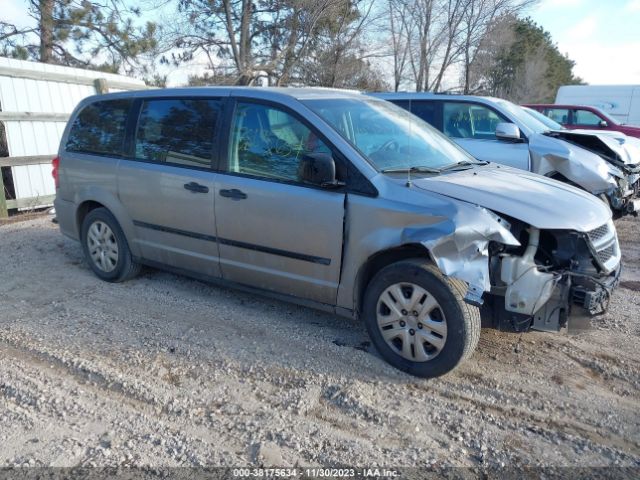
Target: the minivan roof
pixel 275 93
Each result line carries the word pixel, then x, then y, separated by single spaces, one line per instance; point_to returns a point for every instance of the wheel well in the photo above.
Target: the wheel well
pixel 379 260
pixel 84 209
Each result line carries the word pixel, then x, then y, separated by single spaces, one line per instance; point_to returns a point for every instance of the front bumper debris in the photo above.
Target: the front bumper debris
pixel 625 200
pixel 593 296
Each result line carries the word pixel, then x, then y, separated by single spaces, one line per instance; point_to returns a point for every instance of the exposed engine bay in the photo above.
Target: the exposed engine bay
pixel 552 275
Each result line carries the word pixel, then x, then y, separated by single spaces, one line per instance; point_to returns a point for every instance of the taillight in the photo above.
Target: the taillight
pixel 55 165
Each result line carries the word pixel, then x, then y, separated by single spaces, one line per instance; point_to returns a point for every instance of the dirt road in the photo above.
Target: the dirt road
pixel 167 371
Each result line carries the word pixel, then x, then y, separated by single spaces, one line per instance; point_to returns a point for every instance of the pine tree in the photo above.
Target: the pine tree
pixel 82 33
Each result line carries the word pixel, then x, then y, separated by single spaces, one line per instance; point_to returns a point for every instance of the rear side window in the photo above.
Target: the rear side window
pixel 177 131
pixel 427 111
pixel 100 128
pixel 406 104
pixel 560 115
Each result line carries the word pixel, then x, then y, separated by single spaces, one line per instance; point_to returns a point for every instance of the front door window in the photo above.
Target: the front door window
pixel 470 120
pixel 269 143
pixel 586 118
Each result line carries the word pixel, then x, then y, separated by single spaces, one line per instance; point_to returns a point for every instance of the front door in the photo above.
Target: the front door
pixel 169 187
pixel 473 127
pixel 274 232
pixel 588 120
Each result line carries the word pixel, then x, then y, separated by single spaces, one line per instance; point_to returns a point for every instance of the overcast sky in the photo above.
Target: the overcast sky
pixel 601 36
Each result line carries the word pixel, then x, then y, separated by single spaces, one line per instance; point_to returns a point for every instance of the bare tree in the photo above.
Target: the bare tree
pixel 485 73
pixel 401 30
pixel 267 38
pixel 421 55
pixel 478 19
pixel 450 31
pixel 437 35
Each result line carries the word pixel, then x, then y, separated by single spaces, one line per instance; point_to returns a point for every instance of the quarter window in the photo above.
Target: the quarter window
pixel 585 117
pixel 100 128
pixel 469 120
pixel 268 142
pixel 177 131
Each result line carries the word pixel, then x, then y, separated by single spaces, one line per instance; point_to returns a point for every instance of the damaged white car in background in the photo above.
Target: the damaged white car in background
pixel 495 130
pixel 620 150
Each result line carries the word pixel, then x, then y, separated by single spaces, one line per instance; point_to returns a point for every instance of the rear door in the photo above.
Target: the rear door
pixel 560 115
pixel 274 232
pixel 168 186
pixel 473 127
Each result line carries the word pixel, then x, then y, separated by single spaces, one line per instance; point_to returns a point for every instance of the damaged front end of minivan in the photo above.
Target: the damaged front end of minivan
pixel 524 277
pixel 527 265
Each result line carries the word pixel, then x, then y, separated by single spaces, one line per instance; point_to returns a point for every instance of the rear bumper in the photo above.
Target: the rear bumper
pixel 65 213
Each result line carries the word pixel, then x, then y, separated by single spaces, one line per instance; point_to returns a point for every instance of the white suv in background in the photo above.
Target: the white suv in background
pixel 499 131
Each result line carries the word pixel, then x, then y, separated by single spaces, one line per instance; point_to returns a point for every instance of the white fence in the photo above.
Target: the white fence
pixel 35 102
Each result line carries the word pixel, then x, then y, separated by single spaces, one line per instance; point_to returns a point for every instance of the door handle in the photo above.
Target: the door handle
pixel 233 194
pixel 196 187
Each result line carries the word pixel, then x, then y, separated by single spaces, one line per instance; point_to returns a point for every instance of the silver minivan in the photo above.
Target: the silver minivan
pixel 496 130
pixel 334 200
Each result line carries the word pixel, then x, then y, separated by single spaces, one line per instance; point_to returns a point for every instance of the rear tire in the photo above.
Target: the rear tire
pixel 418 320
pixel 105 247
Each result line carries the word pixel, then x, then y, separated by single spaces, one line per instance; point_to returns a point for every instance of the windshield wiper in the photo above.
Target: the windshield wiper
pixel 463 163
pixel 416 169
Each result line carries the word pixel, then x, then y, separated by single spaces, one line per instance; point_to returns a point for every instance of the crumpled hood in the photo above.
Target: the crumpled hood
pixel 553 155
pixel 610 145
pixel 536 200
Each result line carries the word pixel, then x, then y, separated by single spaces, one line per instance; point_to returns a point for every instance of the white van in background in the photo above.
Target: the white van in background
pixel 620 101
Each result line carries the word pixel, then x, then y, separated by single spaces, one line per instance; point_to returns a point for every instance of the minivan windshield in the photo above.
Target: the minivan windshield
pixel 388 136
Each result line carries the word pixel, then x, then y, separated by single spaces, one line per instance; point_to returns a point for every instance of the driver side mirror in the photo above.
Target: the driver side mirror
pixel 318 169
pixel 603 124
pixel 507 131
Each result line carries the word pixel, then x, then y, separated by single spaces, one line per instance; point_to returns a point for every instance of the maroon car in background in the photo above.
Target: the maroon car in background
pixel 584 117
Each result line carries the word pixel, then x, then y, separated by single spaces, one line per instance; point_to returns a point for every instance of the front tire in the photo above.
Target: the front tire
pixel 105 247
pixel 418 320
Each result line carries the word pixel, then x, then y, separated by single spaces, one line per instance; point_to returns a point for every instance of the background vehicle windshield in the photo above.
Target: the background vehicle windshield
pixel 609 118
pixel 387 135
pixel 550 123
pixel 517 112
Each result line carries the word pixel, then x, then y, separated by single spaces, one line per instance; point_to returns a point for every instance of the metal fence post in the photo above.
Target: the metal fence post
pixel 4 213
pixel 101 86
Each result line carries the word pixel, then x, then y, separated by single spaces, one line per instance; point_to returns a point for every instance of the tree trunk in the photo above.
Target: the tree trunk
pixel 46 30
pixel 467 68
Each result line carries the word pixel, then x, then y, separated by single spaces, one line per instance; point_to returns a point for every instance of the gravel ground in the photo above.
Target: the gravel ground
pixel 167 371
